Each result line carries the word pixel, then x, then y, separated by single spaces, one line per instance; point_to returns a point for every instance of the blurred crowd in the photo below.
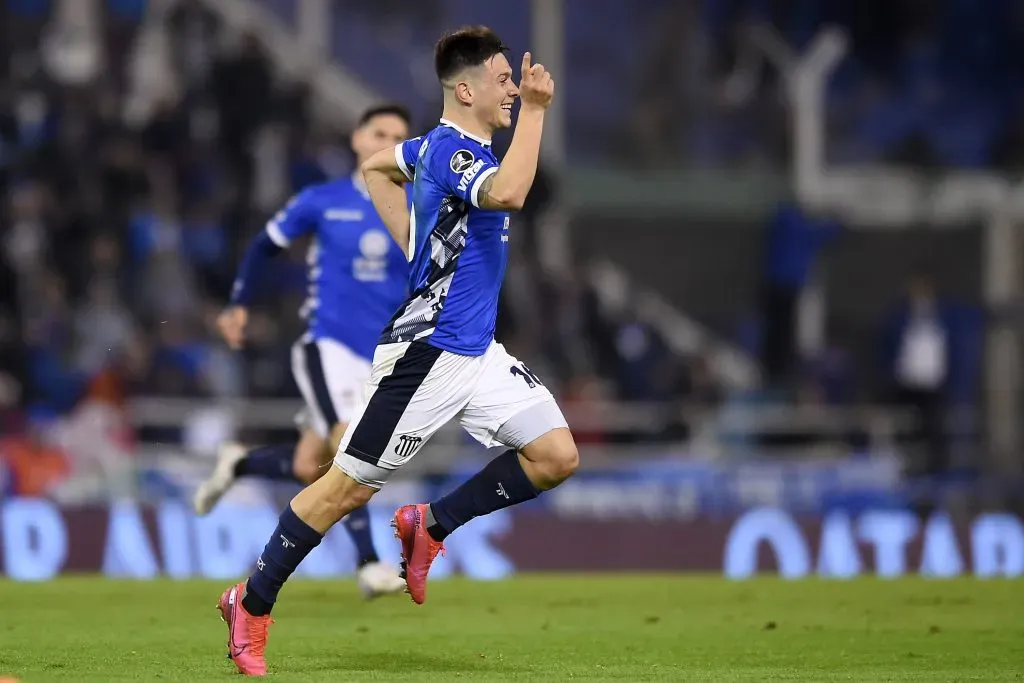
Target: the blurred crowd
pixel 129 188
pixel 123 220
pixel 120 232
pixel 932 82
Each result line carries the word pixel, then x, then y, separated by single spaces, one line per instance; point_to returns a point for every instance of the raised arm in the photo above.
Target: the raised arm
pixel 506 189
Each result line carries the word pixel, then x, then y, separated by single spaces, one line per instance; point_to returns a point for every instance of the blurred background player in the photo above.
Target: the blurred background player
pixel 357 279
pixel 437 358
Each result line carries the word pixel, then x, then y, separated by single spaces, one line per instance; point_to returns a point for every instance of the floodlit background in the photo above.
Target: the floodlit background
pixel 773 260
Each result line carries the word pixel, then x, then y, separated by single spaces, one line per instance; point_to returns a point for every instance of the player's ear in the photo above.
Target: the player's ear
pixel 464 92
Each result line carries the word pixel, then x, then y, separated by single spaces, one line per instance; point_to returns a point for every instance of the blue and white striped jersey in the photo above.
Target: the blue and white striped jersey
pixel 458 251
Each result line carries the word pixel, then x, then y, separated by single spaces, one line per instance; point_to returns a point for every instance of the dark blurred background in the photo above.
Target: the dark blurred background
pixel 727 260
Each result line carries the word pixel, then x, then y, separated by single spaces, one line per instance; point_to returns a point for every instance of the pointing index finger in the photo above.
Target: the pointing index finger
pixel 526 63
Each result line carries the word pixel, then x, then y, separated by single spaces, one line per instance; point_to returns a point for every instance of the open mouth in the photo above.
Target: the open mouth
pixel 507 107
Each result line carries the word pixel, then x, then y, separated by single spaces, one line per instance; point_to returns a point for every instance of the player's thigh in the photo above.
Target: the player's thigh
pixel 307 369
pixel 334 439
pixel 345 375
pixel 510 405
pixel 414 389
pixel 332 380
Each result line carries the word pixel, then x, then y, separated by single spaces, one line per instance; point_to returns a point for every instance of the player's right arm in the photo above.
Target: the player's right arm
pixel 385 175
pixel 294 220
pixel 506 189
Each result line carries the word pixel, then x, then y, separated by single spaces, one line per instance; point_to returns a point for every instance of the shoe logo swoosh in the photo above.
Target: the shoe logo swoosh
pixel 233 648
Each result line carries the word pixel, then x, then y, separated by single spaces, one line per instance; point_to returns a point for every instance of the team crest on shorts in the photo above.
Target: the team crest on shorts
pixel 461 161
pixel 407 445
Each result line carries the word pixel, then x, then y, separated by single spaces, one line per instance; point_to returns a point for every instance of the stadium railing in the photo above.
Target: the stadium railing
pixel 877 426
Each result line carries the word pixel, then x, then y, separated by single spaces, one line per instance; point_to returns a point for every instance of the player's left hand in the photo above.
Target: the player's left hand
pixel 231 324
pixel 536 87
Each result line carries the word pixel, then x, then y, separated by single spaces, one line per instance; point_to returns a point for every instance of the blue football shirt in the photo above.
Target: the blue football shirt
pixel 358 277
pixel 458 251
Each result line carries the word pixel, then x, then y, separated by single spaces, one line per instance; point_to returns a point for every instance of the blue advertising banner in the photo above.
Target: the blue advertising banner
pixel 39 540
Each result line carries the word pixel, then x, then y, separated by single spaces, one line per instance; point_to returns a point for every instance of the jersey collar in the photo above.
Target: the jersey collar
pixel 464 133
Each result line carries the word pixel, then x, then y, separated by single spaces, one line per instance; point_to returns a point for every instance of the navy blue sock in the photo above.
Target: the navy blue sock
pixel 358 525
pixel 292 540
pixel 498 485
pixel 269 462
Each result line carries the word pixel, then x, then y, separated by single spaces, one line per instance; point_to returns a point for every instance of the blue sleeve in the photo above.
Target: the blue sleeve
pixel 460 167
pixel 297 218
pixel 256 260
pixel 407 154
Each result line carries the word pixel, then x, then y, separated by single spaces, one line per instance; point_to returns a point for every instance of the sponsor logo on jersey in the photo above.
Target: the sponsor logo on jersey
pixel 468 176
pixel 372 265
pixel 344 215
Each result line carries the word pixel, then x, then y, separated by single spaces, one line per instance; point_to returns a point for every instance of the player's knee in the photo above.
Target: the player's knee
pixel 357 497
pixel 329 499
pixel 565 459
pixel 553 457
pixel 344 493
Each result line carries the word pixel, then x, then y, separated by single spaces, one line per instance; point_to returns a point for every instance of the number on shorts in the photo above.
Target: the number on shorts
pixel 527 374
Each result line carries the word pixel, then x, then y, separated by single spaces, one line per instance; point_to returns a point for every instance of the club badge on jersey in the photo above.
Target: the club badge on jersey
pixel 372 264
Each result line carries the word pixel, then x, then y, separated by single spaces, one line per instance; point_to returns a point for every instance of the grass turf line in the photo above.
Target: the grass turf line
pixel 596 628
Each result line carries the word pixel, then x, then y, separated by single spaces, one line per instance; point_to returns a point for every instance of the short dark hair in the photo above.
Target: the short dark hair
pixel 463 48
pixel 389 108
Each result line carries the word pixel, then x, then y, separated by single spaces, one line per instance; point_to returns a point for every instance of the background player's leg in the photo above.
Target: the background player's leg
pixel 270 462
pixel 310 461
pixel 343 377
pixel 337 434
pixel 509 479
pixel 313 365
pixel 357 523
pixel 233 461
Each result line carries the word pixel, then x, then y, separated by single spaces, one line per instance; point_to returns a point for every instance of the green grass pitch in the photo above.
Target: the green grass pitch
pixel 535 628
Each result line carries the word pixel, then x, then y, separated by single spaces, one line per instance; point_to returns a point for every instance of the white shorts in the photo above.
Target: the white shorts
pixel 332 380
pixel 415 389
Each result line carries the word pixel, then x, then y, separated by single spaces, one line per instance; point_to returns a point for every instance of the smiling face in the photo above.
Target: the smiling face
pixel 493 91
pixel 477 79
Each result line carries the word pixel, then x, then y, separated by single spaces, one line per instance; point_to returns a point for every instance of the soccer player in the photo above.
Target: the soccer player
pixel 358 277
pixel 437 359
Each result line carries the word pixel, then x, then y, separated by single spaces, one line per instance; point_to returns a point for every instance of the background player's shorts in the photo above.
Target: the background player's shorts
pixel 332 380
pixel 415 389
